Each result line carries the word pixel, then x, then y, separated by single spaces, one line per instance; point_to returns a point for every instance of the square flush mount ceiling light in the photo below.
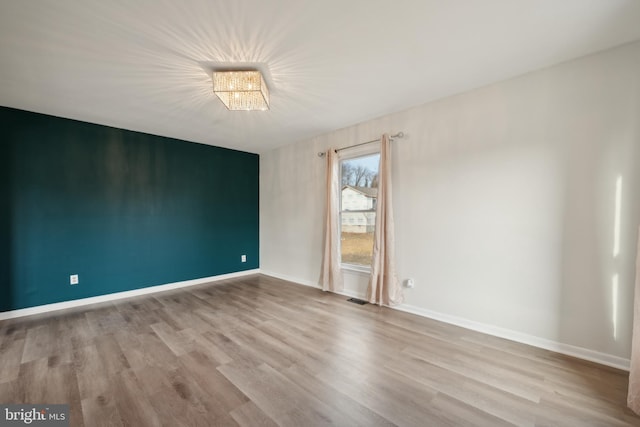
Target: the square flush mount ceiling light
pixel 241 90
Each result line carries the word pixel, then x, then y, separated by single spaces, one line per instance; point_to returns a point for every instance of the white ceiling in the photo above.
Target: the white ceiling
pixel 145 65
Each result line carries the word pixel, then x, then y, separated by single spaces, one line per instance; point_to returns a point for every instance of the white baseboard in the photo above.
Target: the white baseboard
pixel 291 279
pixel 558 347
pixel 345 292
pixel 352 294
pixel 119 295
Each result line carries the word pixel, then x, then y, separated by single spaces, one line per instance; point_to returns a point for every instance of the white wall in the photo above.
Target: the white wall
pixel 504 202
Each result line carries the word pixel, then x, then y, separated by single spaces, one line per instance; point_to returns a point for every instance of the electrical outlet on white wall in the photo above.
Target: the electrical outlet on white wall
pixel 410 283
pixel 73 279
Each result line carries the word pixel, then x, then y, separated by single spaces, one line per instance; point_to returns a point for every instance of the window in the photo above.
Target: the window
pixel 359 182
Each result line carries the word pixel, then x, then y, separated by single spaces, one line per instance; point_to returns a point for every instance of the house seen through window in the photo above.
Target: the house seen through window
pixel 359 179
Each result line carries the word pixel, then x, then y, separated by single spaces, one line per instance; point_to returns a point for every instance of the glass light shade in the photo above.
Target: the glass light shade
pixel 241 90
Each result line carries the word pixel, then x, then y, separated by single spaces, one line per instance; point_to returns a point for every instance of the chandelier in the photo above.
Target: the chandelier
pixel 241 90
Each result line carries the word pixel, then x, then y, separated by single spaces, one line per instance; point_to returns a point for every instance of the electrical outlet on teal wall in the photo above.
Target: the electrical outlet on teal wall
pixel 123 210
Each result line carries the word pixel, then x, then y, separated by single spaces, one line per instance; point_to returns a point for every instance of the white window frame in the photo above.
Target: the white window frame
pixel 348 154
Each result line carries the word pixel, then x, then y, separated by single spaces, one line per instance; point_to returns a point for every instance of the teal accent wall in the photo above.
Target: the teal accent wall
pixel 123 210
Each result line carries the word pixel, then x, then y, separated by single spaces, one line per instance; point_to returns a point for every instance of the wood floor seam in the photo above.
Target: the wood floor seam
pixel 260 351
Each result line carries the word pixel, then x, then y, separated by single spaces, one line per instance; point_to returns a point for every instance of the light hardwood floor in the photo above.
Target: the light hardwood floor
pixel 259 351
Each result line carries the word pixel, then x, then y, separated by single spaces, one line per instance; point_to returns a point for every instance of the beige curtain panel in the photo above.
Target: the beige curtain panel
pixel 331 277
pixel 633 398
pixel 384 287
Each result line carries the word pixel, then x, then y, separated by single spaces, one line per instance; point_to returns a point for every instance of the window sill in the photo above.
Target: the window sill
pixel 356 269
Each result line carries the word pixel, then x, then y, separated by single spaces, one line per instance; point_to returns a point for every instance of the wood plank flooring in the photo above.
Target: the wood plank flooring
pixel 259 351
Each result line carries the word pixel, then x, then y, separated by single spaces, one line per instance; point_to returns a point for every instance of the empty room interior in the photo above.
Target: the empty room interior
pixel 308 213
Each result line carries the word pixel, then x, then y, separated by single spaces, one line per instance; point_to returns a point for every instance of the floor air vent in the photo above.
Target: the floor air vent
pixel 357 301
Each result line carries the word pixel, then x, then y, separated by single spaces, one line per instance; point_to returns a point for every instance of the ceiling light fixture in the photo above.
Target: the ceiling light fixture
pixel 241 90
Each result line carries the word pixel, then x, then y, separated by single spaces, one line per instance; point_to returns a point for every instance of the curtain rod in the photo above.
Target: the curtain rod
pixel 397 135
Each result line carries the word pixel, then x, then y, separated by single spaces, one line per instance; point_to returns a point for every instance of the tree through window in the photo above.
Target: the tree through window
pixel 359 179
